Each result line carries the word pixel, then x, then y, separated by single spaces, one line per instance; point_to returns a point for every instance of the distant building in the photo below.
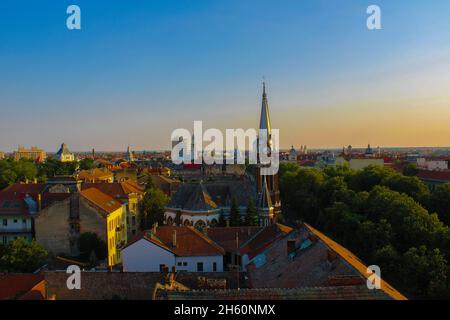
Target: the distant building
pixel 64 155
pixel 293 154
pixel 129 156
pixel 432 165
pixel 360 163
pixel 325 159
pixel 163 183
pixel 34 154
pixel 167 247
pixel 96 175
pixel 369 151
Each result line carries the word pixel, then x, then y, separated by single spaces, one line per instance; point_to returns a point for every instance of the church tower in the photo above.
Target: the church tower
pixel 268 202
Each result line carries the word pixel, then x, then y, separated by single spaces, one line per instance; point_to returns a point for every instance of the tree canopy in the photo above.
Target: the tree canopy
pixel 152 208
pixel 22 256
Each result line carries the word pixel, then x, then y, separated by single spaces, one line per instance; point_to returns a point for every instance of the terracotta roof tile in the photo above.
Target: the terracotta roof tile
pixel 226 236
pixel 190 242
pixel 101 200
pixel 435 175
pixel 14 286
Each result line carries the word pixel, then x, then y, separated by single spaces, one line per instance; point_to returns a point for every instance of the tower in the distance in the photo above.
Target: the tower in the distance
pixel 268 202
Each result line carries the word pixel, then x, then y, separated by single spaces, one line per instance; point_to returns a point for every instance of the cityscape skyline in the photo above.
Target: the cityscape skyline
pixel 135 73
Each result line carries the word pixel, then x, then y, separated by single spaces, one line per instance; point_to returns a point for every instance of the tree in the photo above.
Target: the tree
pixel 373 236
pixel 53 167
pixel 88 244
pixel 152 208
pixel 411 223
pixel 22 256
pixel 410 170
pixel 425 271
pixel 7 177
pixel 412 186
pixel 235 216
pixel 440 202
pixel 251 217
pixel 369 177
pixel 25 170
pixel 87 164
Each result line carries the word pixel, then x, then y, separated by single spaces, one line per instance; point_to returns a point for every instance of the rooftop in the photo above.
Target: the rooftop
pixel 101 200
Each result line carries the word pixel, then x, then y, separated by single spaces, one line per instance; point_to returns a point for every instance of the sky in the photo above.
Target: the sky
pixel 137 70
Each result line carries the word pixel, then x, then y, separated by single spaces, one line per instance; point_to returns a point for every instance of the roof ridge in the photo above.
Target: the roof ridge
pixel 390 291
pixel 206 238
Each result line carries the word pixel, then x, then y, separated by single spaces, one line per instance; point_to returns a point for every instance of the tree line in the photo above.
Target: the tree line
pixel 25 170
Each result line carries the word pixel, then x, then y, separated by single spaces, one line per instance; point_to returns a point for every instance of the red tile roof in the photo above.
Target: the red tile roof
pixel 434 175
pixel 226 236
pixel 24 188
pixel 264 239
pixel 190 241
pixel 13 205
pixel 101 200
pixel 15 286
pixel 117 190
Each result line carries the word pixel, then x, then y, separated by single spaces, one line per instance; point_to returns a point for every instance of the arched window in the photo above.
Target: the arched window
pixel 169 221
pixel 200 224
pixel 213 222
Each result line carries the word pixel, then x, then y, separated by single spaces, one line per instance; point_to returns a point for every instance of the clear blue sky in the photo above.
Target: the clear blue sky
pixel 139 69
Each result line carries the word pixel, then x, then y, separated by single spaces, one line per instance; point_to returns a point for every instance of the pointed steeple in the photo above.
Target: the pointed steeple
pixel 264 122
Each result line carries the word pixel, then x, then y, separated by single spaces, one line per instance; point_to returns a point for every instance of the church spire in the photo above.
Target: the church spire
pixel 264 122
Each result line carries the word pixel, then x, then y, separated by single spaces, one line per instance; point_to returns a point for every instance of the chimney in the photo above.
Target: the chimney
pixel 174 238
pixel 290 246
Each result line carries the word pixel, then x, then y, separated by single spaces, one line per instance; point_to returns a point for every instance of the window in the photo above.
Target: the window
pixel 179 264
pixel 199 266
pixel 162 267
pixel 133 220
pixel 184 264
pixel 214 266
pixel 24 221
pixel 5 222
pixel 15 220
